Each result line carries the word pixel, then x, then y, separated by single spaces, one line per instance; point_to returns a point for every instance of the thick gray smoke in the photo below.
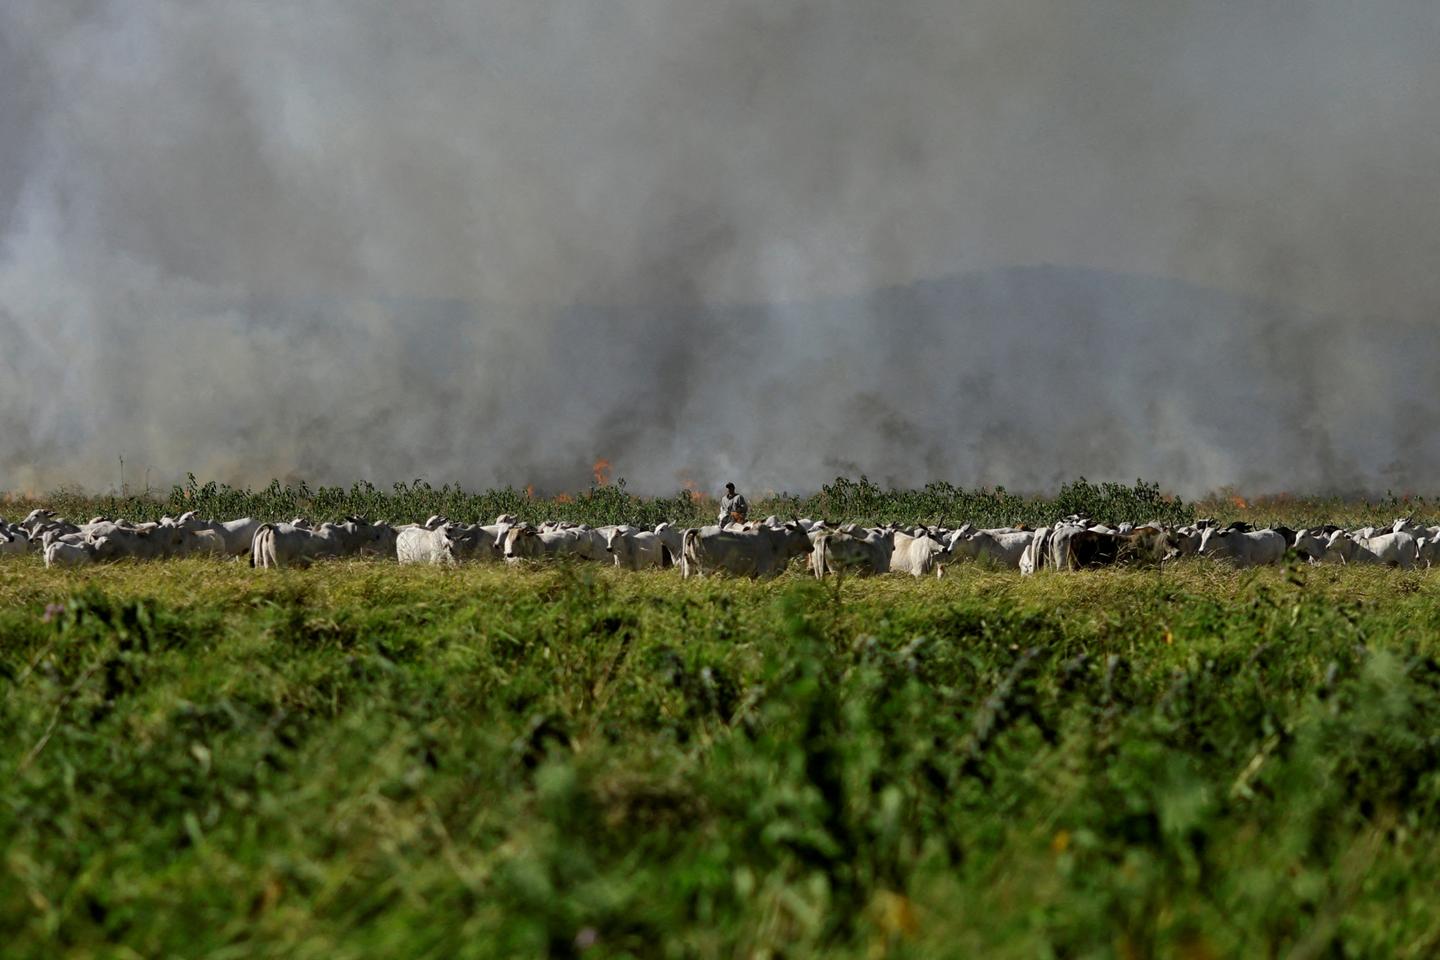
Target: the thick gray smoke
pixel 489 242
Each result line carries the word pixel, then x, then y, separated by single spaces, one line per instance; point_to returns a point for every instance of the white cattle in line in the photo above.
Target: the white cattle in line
pixel 1310 544
pixel 155 543
pixel 1408 525
pixel 279 545
pixel 202 543
pixel 1339 547
pixel 609 528
pixel 1061 557
pixel 101 526
pixel 425 545
pixel 61 553
pixel 236 536
pixel 673 537
pixel 1003 548
pixel 1243 548
pixel 285 544
pixel 56 535
pixel 1386 549
pixel 14 541
pixel 754 553
pixel 1184 542
pixel 917 555
pixel 637 549
pixel 483 543
pixel 1037 553
pixel 849 553
pixel 58 527
pixel 525 542
pixel 363 538
pixel 39 519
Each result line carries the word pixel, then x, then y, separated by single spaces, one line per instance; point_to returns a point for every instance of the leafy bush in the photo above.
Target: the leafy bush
pixel 848 500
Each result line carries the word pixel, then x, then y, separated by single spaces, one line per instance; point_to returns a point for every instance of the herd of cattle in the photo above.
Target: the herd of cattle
pixel 758 549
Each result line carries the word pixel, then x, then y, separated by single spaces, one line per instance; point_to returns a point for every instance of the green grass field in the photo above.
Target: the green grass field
pixel 364 760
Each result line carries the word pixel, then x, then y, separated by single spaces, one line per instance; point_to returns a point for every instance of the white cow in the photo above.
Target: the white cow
pixel 764 552
pixel 852 553
pixel 672 537
pixel 285 544
pixel 424 545
pixel 1387 549
pixel 236 536
pixel 13 541
pixel 1037 553
pixel 1243 548
pixel 1061 555
pixel 917 555
pixel 1184 542
pixel 1310 544
pixel 58 526
pixel 524 542
pixel 152 543
pixel 637 549
pixel 1003 548
pixel 485 543
pixel 202 543
pixel 61 553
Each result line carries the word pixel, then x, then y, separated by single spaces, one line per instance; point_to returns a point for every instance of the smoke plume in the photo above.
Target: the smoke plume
pixel 988 241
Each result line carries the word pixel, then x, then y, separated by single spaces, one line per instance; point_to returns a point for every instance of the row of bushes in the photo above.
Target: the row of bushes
pixel 851 500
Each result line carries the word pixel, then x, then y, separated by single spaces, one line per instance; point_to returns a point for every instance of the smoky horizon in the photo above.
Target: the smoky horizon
pixel 991 243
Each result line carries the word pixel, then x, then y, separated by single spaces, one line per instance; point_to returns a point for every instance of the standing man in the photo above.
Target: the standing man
pixel 733 508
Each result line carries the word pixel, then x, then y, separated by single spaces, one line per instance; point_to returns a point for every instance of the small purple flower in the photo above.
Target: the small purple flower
pixel 52 610
pixel 586 938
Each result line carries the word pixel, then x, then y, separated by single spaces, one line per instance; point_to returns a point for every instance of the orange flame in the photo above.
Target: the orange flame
pixel 1239 501
pixel 564 498
pixel 692 489
pixel 601 469
pixel 529 491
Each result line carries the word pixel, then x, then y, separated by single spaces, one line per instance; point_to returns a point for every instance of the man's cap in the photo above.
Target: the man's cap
pixel 729 486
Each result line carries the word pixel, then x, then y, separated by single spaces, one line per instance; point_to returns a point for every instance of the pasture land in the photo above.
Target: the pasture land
pixel 366 760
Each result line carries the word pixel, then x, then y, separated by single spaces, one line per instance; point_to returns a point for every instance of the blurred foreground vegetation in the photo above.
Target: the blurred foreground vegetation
pixel 368 760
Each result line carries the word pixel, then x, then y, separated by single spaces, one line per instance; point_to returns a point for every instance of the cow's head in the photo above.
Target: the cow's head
pixel 519 542
pixel 445 546
pixel 105 549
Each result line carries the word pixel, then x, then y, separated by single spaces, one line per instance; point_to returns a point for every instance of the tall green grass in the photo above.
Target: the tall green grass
pixel 844 499
pixel 366 760
pixel 851 500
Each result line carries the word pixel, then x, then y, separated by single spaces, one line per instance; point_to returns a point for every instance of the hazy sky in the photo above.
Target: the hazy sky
pixel 345 239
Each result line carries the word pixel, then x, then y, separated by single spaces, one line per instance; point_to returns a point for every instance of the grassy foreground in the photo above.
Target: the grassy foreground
pixel 367 760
